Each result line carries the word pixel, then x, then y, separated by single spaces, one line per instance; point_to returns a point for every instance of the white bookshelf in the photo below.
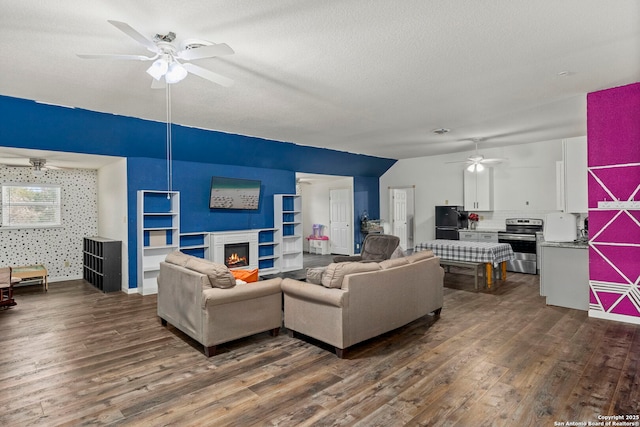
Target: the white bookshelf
pixel 287 220
pixel 158 234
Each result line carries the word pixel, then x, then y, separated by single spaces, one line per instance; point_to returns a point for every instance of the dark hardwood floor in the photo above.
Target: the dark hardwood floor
pixel 75 356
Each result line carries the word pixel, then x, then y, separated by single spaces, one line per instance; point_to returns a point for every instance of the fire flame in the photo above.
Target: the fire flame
pixel 235 259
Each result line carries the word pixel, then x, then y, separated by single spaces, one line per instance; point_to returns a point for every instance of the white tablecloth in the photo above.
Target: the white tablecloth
pixel 456 250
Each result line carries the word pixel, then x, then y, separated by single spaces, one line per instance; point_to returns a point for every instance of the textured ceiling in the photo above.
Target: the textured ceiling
pixel 369 77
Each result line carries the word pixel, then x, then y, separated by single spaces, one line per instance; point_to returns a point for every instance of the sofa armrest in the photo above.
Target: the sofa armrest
pixel 347 258
pixel 241 292
pixel 315 293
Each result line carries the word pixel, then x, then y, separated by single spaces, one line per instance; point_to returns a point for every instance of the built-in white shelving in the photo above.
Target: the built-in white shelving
pixel 158 234
pixel 196 244
pixel 268 251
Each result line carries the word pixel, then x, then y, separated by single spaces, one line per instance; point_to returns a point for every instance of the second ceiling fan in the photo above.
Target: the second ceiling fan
pixel 477 161
pixel 170 62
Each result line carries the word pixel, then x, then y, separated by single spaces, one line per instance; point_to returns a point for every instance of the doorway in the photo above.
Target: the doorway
pixel 315 191
pixel 402 214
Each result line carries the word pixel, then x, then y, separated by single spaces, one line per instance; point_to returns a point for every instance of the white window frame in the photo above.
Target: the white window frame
pixel 7 221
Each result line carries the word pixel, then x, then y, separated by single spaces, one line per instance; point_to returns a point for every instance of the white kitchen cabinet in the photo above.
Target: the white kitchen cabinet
pixel 564 275
pixel 478 190
pixel 574 155
pixel 478 236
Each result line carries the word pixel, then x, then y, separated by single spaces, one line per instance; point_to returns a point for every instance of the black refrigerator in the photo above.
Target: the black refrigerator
pixel 449 220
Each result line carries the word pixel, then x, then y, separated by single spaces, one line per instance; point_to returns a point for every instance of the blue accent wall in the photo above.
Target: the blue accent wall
pixel 198 155
pixel 364 200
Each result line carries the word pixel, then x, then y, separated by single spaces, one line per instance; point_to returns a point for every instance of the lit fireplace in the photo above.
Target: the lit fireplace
pixel 236 255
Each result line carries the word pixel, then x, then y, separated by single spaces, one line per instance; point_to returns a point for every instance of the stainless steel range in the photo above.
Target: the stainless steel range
pixel 521 235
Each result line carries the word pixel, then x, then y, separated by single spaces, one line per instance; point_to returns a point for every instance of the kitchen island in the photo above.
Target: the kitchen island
pixel 564 274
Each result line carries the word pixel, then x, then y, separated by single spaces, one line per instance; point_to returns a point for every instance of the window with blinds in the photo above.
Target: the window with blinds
pixel 31 205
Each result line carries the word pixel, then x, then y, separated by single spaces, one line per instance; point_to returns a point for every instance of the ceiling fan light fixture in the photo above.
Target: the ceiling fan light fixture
pixel 175 73
pixel 475 167
pixel 158 68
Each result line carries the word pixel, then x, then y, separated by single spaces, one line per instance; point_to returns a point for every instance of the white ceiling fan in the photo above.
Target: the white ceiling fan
pixel 38 165
pixel 477 161
pixel 171 62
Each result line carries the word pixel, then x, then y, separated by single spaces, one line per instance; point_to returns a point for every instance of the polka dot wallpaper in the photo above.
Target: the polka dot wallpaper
pixel 53 247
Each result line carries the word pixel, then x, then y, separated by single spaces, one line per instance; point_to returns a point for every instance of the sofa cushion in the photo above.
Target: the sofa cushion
pixel 332 277
pixel 218 274
pixel 178 258
pixel 314 275
pixel 417 256
pixel 395 262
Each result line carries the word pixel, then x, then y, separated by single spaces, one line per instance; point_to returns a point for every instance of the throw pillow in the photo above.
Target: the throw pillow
pixel 219 275
pixel 314 275
pixel 417 256
pixel 398 253
pixel 248 276
pixel 332 278
pixel 177 258
pixel 390 263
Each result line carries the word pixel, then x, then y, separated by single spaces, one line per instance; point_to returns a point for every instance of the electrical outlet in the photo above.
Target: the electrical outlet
pixel 357 245
pixel 67 264
pixel 446 202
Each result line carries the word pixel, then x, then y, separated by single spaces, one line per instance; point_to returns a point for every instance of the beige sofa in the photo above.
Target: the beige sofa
pixel 202 299
pixel 358 301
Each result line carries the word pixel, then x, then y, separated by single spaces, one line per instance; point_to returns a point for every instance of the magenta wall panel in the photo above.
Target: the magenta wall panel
pixel 613 134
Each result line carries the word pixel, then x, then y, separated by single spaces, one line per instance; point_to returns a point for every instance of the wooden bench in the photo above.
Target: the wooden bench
pixel 477 266
pixel 488 270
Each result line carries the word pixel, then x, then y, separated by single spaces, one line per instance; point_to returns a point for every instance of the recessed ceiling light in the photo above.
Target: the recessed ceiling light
pixel 441 131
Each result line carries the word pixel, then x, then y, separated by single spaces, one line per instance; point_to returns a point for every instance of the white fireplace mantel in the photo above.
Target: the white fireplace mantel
pixel 218 239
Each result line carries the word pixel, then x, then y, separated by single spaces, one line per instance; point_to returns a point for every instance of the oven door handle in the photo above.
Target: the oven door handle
pixel 520 237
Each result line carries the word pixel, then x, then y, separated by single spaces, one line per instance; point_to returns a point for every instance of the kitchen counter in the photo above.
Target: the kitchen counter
pixel 579 244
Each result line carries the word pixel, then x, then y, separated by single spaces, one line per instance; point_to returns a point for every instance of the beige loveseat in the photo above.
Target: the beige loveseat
pixel 202 299
pixel 358 301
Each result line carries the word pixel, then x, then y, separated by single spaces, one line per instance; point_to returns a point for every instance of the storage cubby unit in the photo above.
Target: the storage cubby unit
pixel 102 263
pixel 288 224
pixel 196 244
pixel 268 251
pixel 158 234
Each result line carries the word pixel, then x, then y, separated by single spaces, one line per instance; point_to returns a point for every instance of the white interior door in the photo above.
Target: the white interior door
pixel 340 223
pixel 399 205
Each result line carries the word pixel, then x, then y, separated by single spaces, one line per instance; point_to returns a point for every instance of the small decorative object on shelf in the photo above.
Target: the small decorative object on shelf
pixel 473 220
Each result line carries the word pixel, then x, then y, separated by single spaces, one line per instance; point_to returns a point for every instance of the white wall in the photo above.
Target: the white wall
pixel 315 202
pixel 112 209
pixel 529 175
pixel 54 247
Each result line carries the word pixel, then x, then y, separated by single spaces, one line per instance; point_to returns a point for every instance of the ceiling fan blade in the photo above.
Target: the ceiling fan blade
pixel 496 160
pixel 116 56
pixel 128 30
pixel 205 52
pixel 460 161
pixel 208 75
pixel 158 84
